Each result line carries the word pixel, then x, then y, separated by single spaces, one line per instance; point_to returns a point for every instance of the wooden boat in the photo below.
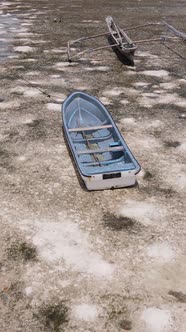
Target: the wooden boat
pixel 101 155
pixel 122 44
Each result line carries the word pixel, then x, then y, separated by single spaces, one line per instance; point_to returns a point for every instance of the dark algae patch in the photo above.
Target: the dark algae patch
pixel 12 135
pixel 118 223
pixel 4 154
pixel 22 251
pixel 35 123
pixel 181 297
pixel 172 144
pixel 6 159
pixel 148 175
pixel 168 192
pixel 155 190
pixel 125 324
pixel 53 317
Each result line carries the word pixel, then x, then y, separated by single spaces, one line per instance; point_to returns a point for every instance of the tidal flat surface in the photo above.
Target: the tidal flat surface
pixel 73 260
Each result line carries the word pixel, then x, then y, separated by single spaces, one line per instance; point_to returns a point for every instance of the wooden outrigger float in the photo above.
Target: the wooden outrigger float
pixel 122 44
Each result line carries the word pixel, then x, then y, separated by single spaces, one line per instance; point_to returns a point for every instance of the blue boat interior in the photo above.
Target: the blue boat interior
pixel 94 138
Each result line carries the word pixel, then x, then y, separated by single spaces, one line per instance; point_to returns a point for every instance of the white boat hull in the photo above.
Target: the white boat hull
pixel 96 182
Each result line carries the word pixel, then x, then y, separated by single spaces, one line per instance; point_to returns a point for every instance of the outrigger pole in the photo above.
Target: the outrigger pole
pixel 89 50
pixel 179 34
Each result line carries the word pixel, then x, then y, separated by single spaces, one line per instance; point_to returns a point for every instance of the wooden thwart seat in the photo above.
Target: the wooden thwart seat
pixel 114 149
pixel 89 128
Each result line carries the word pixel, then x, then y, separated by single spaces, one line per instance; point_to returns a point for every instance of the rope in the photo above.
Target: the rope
pixel 42 91
pixel 39 89
pixel 171 49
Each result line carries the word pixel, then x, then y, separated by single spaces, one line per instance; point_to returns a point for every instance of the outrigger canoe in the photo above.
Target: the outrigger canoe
pixel 101 155
pixel 123 45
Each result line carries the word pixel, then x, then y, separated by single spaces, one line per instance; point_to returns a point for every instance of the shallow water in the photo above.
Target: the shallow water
pixel 8 26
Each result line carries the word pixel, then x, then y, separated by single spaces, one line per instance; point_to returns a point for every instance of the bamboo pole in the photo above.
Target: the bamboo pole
pixel 92 50
pixel 176 32
pixel 141 26
pixel 154 39
pixel 90 37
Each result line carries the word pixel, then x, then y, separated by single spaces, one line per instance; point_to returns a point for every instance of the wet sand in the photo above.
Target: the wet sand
pixel 73 260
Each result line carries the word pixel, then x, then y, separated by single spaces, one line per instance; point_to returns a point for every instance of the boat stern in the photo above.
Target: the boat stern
pixel 110 180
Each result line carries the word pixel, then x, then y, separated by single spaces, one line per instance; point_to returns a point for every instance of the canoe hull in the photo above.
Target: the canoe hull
pixel 101 155
pixel 126 57
pixel 126 48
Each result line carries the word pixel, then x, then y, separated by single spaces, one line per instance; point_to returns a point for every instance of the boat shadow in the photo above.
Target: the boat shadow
pixel 120 56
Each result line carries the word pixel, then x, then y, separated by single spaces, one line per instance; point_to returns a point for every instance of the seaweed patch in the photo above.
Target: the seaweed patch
pixel 118 223
pixel 125 324
pixel 53 317
pixel 172 144
pixel 148 175
pixel 181 297
pixel 22 251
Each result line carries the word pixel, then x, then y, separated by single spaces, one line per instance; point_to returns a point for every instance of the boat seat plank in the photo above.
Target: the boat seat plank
pixel 104 162
pixel 116 166
pixel 92 139
pixel 114 149
pixel 89 128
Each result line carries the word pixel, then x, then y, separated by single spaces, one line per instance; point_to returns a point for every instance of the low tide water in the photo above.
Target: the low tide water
pixel 8 27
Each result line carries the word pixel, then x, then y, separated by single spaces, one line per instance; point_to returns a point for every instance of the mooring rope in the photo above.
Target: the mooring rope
pixel 171 49
pixel 33 86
